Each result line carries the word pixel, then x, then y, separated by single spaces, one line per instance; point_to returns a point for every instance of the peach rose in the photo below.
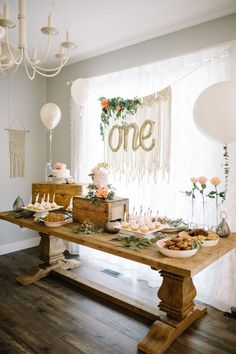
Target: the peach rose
pixel 194 179
pixel 102 192
pixel 104 103
pixel 118 108
pixel 215 181
pixel 202 180
pixel 59 165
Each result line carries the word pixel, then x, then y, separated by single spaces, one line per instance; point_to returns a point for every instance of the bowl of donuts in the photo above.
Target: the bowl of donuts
pixel 56 219
pixel 206 238
pixel 178 246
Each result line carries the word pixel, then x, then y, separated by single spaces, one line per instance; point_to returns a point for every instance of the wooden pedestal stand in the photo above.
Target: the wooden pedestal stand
pixel 176 294
pixel 52 254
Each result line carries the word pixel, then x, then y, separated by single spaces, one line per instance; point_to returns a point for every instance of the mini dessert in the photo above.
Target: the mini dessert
pixel 134 226
pixel 30 206
pixel 152 226
pixel 144 228
pixel 125 225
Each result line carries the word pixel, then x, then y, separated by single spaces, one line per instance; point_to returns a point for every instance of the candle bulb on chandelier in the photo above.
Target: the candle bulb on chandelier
pixel 34 53
pixel 22 7
pixel 68 36
pixel 50 20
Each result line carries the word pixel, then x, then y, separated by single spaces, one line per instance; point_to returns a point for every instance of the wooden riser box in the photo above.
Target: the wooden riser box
pixel 107 210
pixel 63 192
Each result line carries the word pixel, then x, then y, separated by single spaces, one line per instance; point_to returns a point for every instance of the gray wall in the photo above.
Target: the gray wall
pixel 25 99
pixel 208 34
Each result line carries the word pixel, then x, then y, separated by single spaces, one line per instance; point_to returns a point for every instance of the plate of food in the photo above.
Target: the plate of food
pixel 40 208
pixel 206 238
pixel 178 246
pixel 140 230
pixel 56 219
pixel 171 225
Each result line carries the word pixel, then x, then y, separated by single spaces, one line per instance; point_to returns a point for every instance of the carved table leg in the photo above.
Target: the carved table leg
pixel 52 253
pixel 176 294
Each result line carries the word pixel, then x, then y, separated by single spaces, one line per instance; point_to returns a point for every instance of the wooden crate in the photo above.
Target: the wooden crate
pixel 107 210
pixel 63 192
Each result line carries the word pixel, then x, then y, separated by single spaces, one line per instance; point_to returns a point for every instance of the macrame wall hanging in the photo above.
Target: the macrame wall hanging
pixel 17 153
pixel 16 144
pixel 139 146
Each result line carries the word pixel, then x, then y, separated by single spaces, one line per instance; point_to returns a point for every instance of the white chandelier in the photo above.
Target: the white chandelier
pixel 32 64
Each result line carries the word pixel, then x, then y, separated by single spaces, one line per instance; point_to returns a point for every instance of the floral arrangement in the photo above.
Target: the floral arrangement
pixel 59 166
pixel 199 184
pixel 98 192
pixel 118 108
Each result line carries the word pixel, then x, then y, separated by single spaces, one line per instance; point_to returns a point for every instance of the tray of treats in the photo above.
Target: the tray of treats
pixel 140 229
pixel 178 246
pixel 56 219
pixel 206 238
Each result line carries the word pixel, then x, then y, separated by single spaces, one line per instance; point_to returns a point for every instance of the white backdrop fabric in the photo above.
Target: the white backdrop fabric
pixel 192 154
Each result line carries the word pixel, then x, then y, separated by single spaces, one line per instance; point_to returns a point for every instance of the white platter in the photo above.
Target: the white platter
pixel 169 229
pixel 139 233
pixel 41 211
pixel 175 253
pixel 209 243
pixel 56 223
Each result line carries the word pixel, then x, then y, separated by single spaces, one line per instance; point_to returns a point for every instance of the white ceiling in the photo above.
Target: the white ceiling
pixel 101 26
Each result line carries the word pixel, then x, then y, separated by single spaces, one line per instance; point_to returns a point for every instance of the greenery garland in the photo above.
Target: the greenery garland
pixel 226 168
pixel 137 243
pixel 87 227
pixel 118 108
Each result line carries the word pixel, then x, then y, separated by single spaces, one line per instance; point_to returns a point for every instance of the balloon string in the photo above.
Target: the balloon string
pixel 203 64
pixel 185 75
pixel 50 147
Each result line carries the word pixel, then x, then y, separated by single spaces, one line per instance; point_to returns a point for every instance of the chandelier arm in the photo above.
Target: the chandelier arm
pixel 31 77
pixel 41 68
pixel 40 72
pixel 6 67
pixel 63 62
pixel 47 49
pixel 20 57
pixel 4 72
pixel 52 74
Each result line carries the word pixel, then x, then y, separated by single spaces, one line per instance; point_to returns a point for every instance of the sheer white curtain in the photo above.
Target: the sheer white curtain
pixel 192 154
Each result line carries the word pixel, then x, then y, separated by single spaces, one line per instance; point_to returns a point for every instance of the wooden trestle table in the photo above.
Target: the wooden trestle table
pixel 177 310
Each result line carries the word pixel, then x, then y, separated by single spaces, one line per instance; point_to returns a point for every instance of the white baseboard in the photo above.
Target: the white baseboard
pixel 18 246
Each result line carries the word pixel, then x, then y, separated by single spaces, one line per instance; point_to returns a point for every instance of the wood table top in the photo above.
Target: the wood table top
pixel 149 256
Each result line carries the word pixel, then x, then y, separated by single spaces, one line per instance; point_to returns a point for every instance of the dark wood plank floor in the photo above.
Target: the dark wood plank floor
pixel 53 317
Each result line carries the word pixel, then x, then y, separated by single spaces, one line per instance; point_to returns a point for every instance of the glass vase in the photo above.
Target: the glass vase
pixel 48 172
pixel 214 209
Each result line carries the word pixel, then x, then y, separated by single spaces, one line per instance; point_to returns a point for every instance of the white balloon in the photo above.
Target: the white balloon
pixel 215 112
pixel 50 115
pixel 79 91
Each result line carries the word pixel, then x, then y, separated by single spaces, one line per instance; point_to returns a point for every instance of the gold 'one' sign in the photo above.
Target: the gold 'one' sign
pixel 139 138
